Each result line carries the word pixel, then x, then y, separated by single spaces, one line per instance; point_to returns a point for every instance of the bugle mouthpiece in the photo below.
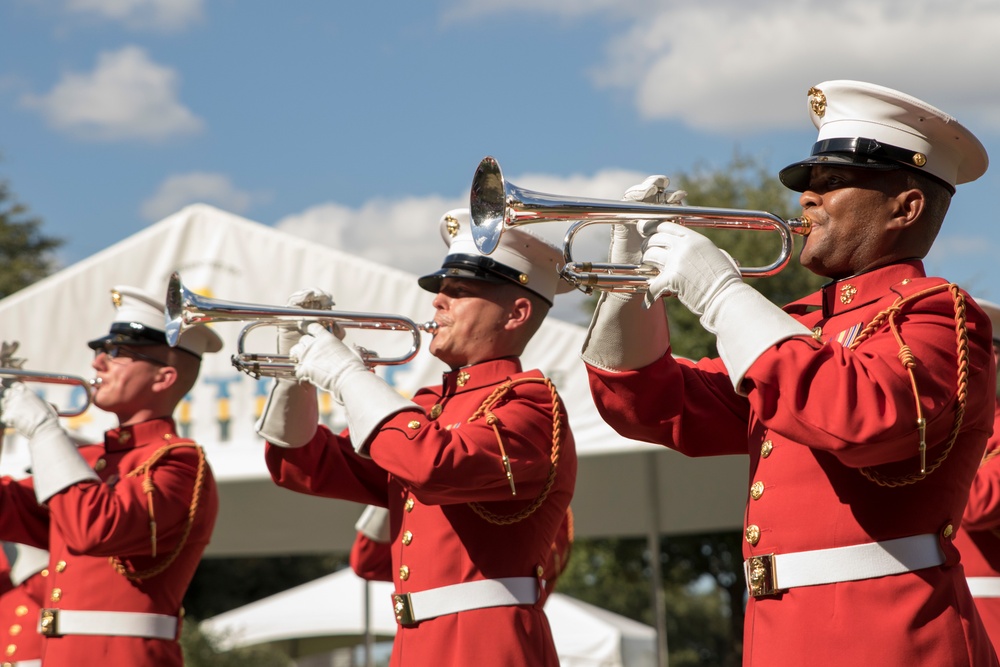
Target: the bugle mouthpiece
pixel 801 225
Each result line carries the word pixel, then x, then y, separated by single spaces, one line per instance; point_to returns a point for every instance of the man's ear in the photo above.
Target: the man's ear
pixel 166 377
pixel 909 206
pixel 520 313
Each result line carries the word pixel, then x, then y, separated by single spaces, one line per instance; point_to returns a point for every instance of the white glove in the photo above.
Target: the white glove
pixel 313 298
pixel 623 334
pixel 25 412
pixel 626 239
pixel 708 282
pixel 323 360
pixel 327 363
pixel 374 524
pixel 56 464
pixel 291 414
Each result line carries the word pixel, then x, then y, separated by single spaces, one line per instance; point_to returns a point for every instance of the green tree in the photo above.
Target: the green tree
pixel 702 574
pixel 25 253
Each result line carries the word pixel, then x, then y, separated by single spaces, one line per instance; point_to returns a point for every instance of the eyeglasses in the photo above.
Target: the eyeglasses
pixel 119 351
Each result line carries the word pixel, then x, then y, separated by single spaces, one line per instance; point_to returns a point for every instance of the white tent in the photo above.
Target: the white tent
pixel 329 612
pixel 624 488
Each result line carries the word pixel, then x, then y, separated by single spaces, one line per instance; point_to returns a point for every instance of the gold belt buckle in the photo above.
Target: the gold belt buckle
pixel 49 622
pixel 762 578
pixel 403 608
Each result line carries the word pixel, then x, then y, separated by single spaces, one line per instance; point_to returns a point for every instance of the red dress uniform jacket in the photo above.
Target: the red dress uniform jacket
pixel 19 638
pixel 820 419
pixel 430 471
pixel 90 523
pixel 979 538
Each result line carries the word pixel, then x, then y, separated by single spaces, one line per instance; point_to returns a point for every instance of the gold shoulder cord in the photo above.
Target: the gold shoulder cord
pixel 146 469
pixel 909 361
pixel 491 419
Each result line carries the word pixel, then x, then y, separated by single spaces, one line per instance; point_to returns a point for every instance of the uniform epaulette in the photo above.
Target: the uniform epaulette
pixel 912 286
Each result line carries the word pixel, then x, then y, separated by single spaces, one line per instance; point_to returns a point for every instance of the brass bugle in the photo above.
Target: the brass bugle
pixel 497 205
pixel 185 309
pixel 27 377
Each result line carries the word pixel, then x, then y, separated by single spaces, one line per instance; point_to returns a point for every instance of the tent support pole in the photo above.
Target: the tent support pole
pixel 369 639
pixel 656 579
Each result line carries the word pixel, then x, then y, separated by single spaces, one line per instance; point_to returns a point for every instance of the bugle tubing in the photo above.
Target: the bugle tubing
pixel 497 205
pixel 185 309
pixel 27 377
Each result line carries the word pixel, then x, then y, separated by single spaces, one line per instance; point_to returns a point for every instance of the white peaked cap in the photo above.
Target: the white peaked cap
pixel 140 319
pixel 520 258
pixel 866 125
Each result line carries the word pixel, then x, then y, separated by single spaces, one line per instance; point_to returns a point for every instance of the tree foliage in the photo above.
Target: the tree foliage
pixel 25 253
pixel 702 575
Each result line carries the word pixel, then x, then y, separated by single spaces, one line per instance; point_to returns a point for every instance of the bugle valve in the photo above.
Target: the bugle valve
pixel 186 309
pixel 497 205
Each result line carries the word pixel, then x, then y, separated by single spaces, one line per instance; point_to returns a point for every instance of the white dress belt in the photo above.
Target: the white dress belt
pixel 25 663
pixel 768 574
pixel 422 605
pixel 984 587
pixel 58 622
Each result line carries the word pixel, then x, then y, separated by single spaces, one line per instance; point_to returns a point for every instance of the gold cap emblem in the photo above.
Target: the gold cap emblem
pixel 817 102
pixel 452 225
pixel 116 298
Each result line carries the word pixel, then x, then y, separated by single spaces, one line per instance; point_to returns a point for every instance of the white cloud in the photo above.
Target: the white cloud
pixel 404 234
pixel 754 70
pixel 161 15
pixel 737 67
pixel 126 96
pixel 179 190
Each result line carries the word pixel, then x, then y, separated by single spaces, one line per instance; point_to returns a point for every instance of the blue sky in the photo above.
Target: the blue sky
pixel 358 124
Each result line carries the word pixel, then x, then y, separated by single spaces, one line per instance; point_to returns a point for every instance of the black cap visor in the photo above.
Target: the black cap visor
pixel 129 333
pixel 860 152
pixel 474 267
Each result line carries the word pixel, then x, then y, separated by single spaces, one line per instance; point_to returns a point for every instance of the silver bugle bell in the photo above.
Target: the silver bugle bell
pixel 497 205
pixel 185 309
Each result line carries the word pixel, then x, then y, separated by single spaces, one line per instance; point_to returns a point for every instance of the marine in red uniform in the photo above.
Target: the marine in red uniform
pixel 125 521
pixel 22 645
pixel 978 540
pixel 477 473
pixel 864 407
